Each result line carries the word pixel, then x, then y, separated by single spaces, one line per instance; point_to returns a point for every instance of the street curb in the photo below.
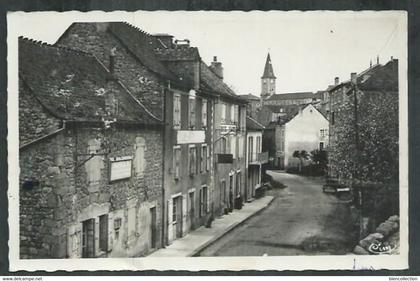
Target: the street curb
pixel 229 229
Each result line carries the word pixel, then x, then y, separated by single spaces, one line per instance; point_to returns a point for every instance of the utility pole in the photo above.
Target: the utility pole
pixel 357 152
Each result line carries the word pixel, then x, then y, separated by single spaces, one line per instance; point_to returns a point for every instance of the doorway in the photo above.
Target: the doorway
pixel 191 210
pixel 88 238
pixel 153 227
pixel 177 216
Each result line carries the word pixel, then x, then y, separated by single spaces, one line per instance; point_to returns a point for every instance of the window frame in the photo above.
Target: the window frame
pixel 204 110
pixel 192 163
pixel 176 122
pixel 176 161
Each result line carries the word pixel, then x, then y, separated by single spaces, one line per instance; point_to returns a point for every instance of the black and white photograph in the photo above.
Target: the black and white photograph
pixel 208 140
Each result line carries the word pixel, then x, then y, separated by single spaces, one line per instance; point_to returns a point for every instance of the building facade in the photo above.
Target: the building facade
pixel 90 156
pixel 255 157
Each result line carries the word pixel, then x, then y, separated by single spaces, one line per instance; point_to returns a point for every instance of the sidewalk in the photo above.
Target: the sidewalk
pixel 200 238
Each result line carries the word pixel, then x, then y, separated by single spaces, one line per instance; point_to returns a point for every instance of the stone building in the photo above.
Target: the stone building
pixel 182 91
pixel 377 83
pixel 90 159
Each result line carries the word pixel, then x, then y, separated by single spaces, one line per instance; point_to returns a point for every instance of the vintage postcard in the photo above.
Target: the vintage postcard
pixel 208 140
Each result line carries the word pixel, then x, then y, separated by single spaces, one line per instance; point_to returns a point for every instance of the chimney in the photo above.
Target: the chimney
pixel 336 80
pixel 370 65
pixel 182 43
pixel 166 40
pixel 377 59
pixel 392 58
pixel 353 78
pixel 217 68
pixel 112 60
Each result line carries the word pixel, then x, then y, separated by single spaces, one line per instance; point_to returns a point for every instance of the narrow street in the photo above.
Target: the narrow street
pixel 301 220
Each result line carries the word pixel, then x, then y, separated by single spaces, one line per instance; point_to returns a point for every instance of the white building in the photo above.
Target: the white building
pixel 307 130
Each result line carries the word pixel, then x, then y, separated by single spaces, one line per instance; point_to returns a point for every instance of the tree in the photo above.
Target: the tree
pixel 301 155
pixel 320 158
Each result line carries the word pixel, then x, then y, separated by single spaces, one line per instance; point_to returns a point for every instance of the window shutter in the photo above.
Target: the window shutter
pixel 170 226
pixel 208 158
pixel 208 199
pixel 236 113
pixel 78 242
pixel 233 146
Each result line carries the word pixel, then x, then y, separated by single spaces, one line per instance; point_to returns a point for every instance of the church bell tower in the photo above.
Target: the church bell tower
pixel 268 80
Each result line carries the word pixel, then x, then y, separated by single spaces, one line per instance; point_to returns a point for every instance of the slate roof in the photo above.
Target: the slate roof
pixel 383 79
pixel 138 42
pixel 362 77
pixel 268 69
pixel 253 125
pixel 212 82
pixel 289 96
pixel 250 97
pixel 73 85
pixel 142 45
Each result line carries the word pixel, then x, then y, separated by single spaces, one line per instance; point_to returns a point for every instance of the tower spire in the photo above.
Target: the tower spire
pixel 268 69
pixel 268 80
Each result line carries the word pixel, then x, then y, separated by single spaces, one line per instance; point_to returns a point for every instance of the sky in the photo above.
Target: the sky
pixel 308 49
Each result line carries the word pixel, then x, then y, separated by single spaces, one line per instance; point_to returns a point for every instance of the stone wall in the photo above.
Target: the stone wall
pixel 74 186
pixel 97 40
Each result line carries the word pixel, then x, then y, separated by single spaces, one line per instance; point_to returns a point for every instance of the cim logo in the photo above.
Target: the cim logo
pixel 380 249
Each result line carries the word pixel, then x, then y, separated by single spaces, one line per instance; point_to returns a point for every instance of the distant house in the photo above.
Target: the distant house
pixel 90 159
pixel 253 106
pixel 304 128
pixel 307 130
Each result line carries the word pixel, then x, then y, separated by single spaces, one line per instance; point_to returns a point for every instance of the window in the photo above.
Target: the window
pixel 223 145
pixel 192 112
pixel 176 159
pixel 241 148
pixel 203 158
pixel 232 113
pixel 238 183
pixel 117 226
pixel 208 159
pixel 203 201
pixel 223 113
pixel 177 112
pixel 250 149
pixel 321 145
pixel 258 149
pixel 193 160
pixel 103 233
pixel 204 114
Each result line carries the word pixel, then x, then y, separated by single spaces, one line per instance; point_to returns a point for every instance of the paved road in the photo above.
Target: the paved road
pixel 301 220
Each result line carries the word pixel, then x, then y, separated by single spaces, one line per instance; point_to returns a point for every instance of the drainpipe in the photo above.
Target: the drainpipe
pixel 163 166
